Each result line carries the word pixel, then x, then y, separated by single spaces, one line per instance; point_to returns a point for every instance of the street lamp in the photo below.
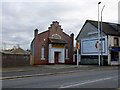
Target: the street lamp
pixel 98 35
pixel 77 47
pixel 101 37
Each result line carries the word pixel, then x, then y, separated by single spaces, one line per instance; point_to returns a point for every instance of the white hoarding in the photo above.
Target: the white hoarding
pixel 90 46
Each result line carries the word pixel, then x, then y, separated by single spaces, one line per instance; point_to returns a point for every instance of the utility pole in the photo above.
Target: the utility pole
pixel 98 36
pixel 77 47
pixel 101 38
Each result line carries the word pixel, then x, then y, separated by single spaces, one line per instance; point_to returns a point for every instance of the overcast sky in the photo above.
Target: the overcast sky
pixel 19 18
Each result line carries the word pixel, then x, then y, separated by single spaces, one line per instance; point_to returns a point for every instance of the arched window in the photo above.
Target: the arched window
pixel 56 36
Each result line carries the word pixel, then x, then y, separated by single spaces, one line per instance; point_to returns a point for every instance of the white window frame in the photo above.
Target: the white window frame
pixel 66 53
pixel 42 53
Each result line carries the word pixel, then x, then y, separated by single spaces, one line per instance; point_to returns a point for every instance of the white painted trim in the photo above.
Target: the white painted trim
pixel 52 52
pixel 92 33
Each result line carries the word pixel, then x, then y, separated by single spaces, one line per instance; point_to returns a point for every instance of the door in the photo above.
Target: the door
pixel 114 56
pixel 56 56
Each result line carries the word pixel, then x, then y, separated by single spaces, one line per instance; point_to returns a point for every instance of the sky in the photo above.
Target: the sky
pixel 19 18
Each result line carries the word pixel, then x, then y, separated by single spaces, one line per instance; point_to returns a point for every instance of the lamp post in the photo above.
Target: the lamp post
pixel 101 38
pixel 98 36
pixel 77 47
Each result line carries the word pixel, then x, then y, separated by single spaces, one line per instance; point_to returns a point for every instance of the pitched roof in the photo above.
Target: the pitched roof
pixel 19 51
pixel 108 28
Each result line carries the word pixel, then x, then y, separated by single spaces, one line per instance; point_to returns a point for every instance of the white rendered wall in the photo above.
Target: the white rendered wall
pixel 52 52
pixel 111 43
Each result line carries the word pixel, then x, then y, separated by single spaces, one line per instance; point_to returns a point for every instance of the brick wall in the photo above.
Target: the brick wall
pixel 42 39
pixel 55 28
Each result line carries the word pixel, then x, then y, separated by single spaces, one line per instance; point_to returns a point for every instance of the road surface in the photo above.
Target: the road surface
pixel 106 78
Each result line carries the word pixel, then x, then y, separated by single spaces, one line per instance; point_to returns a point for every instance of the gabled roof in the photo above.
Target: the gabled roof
pixel 6 51
pixel 107 28
pixel 19 51
pixel 15 51
pixel 43 32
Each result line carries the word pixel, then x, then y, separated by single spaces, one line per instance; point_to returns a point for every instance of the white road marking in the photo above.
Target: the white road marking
pixel 86 82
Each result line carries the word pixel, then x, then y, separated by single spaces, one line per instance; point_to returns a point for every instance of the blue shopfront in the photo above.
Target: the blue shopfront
pixel 115 55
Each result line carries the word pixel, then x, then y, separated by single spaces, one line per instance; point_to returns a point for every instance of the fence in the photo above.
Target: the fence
pixel 15 60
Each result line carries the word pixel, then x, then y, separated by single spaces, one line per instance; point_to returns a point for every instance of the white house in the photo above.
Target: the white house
pixel 109 43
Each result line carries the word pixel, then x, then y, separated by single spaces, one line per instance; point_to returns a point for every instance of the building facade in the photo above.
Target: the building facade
pixel 52 46
pixel 109 43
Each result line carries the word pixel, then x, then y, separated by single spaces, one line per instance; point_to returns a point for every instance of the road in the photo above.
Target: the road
pixel 106 78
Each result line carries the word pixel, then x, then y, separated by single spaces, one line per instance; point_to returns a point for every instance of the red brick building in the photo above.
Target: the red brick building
pixel 52 46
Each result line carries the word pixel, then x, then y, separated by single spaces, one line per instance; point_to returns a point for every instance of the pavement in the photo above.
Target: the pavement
pixel 41 70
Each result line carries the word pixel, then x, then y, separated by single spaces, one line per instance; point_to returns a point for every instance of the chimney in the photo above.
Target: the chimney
pixel 35 32
pixel 72 37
